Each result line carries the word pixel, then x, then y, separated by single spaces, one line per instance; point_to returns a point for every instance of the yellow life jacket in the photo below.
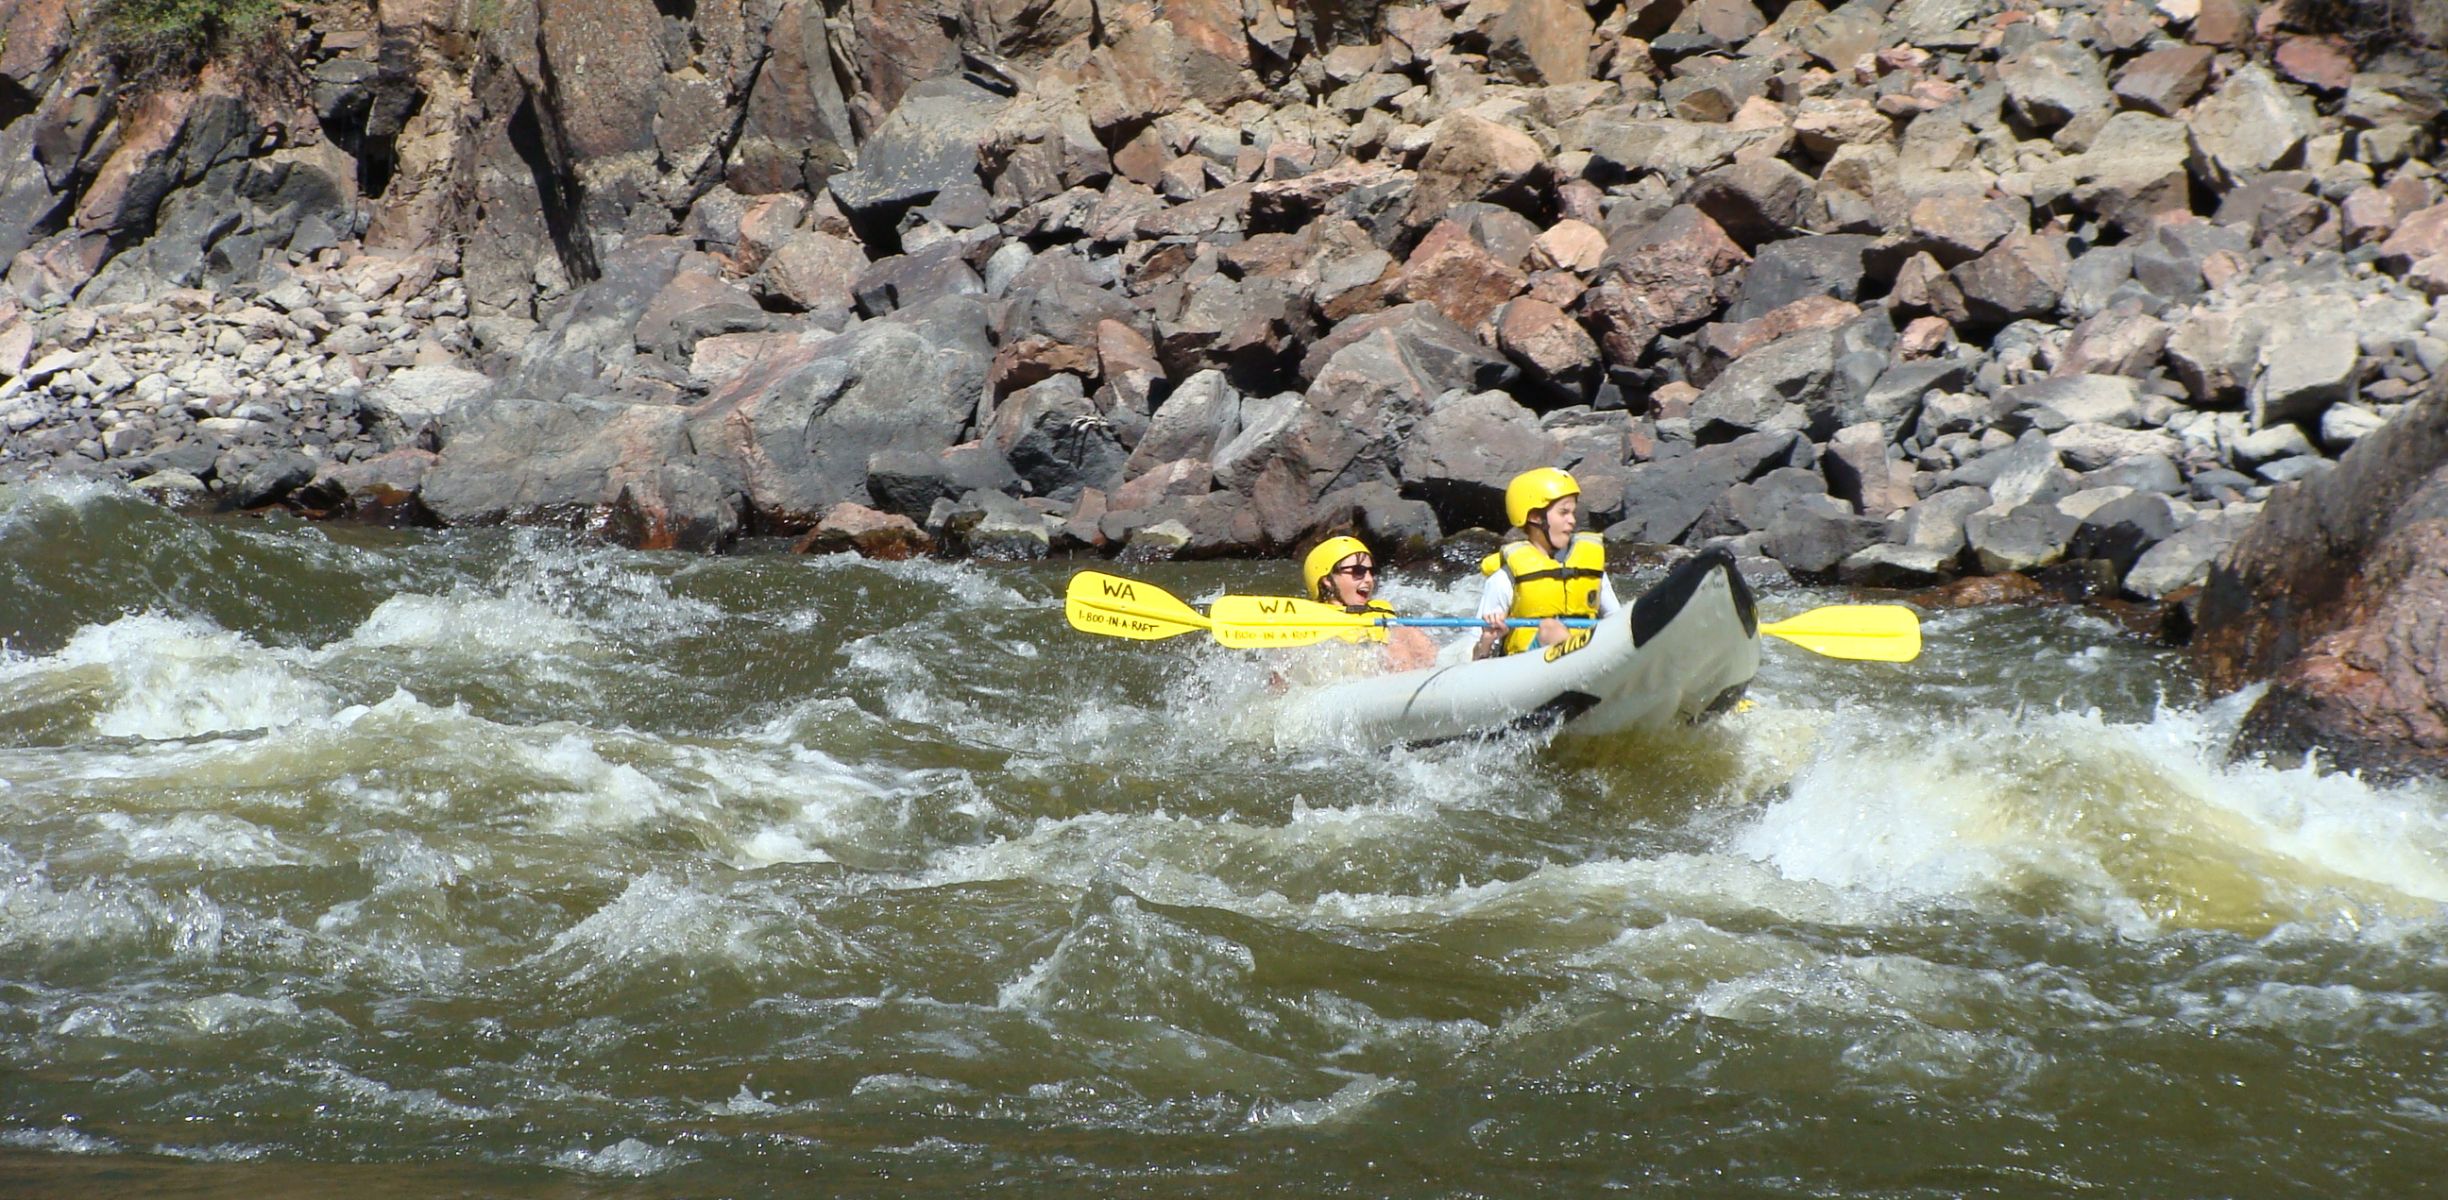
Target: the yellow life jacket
pixel 1543 587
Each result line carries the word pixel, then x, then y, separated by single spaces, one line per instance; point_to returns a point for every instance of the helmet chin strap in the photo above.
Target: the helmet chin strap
pixel 1538 521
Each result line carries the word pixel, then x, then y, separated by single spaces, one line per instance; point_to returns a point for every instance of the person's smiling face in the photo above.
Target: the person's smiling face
pixel 1353 580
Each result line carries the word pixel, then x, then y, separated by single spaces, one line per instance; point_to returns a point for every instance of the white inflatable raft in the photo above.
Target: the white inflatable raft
pixel 1682 652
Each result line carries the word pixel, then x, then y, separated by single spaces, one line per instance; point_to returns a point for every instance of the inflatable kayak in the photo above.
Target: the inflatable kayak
pixel 1682 652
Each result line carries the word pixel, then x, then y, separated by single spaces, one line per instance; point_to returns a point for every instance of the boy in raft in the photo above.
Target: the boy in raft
pixel 1341 571
pixel 1555 571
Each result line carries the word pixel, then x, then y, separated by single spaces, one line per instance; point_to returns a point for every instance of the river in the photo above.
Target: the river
pixel 497 862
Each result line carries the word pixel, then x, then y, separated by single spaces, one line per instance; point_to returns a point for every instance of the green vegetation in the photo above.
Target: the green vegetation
pixel 158 39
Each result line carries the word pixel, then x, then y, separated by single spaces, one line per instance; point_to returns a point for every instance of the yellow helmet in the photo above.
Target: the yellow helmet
pixel 1322 559
pixel 1531 491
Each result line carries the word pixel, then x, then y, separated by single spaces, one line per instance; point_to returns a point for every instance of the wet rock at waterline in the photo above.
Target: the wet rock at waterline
pixel 2336 597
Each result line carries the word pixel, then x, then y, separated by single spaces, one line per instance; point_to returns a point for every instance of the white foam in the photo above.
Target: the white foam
pixel 59 1139
pixel 655 920
pixel 2136 825
pixel 473 626
pixel 38 917
pixel 1349 1103
pixel 214 840
pixel 914 1087
pixel 227 1012
pixel 628 1157
pixel 218 1152
pixel 745 1103
pixel 177 677
pixel 423 1103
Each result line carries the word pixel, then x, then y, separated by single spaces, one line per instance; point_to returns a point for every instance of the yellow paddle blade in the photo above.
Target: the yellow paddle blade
pixel 1262 622
pixel 1125 608
pixel 1863 632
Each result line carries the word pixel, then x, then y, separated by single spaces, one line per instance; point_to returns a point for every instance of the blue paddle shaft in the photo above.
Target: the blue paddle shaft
pixel 1474 622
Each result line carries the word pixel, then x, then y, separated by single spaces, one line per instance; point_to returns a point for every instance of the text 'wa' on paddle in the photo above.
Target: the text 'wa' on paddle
pixel 1260 622
pixel 1099 603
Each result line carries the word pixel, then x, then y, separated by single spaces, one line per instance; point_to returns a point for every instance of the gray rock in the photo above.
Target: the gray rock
pixel 1788 270
pixel 1463 452
pixel 1754 200
pixel 1937 523
pixel 2184 558
pixel 2024 276
pixel 1812 541
pixel 2022 538
pixel 1055 297
pixel 2057 402
pixel 1664 499
pixel 928 144
pixel 410 398
pixel 2302 376
pixel 2249 124
pixel 1894 399
pixel 992 526
pixel 2119 531
pixel 589 347
pixel 2171 261
pixel 2345 424
pixel 2090 446
pixel 1055 439
pixel 1784 385
pixel 2142 473
pixel 1866 471
pixel 910 481
pixel 2093 280
pixel 583 462
pixel 915 280
pixel 1887 565
pixel 1005 265
pixel 799 427
pixel 2135 171
pixel 1265 423
pixel 1756 506
pixel 2025 473
pixel 2051 83
pixel 1196 421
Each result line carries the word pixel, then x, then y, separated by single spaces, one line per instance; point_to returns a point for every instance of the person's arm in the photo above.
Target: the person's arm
pixel 1408 649
pixel 1607 604
pixel 1495 604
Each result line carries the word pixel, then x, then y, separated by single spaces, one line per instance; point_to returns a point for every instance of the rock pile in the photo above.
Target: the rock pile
pixel 1887 292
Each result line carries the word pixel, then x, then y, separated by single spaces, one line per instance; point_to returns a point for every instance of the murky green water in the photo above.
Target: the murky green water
pixel 494 864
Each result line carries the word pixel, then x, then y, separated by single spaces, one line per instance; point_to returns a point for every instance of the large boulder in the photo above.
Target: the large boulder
pixel 797 429
pixel 624 469
pixel 1541 42
pixel 1675 270
pixel 2335 598
pixel 589 346
pixel 1347 430
pixel 1466 449
pixel 928 144
pixel 1472 158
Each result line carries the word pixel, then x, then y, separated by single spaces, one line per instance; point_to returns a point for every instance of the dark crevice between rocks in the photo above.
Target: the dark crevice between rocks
pixel 15 101
pixel 558 191
pixel 718 168
pixel 678 10
pixel 396 101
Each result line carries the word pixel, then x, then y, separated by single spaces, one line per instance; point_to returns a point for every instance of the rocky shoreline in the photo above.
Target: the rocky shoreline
pixel 1892 294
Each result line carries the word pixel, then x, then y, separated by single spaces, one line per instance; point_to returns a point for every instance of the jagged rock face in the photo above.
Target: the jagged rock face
pixel 2338 598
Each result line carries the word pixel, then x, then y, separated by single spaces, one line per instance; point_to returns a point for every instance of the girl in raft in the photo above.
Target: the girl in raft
pixel 1341 571
pixel 1555 571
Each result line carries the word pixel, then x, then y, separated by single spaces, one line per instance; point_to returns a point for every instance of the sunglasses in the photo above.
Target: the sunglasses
pixel 1356 570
